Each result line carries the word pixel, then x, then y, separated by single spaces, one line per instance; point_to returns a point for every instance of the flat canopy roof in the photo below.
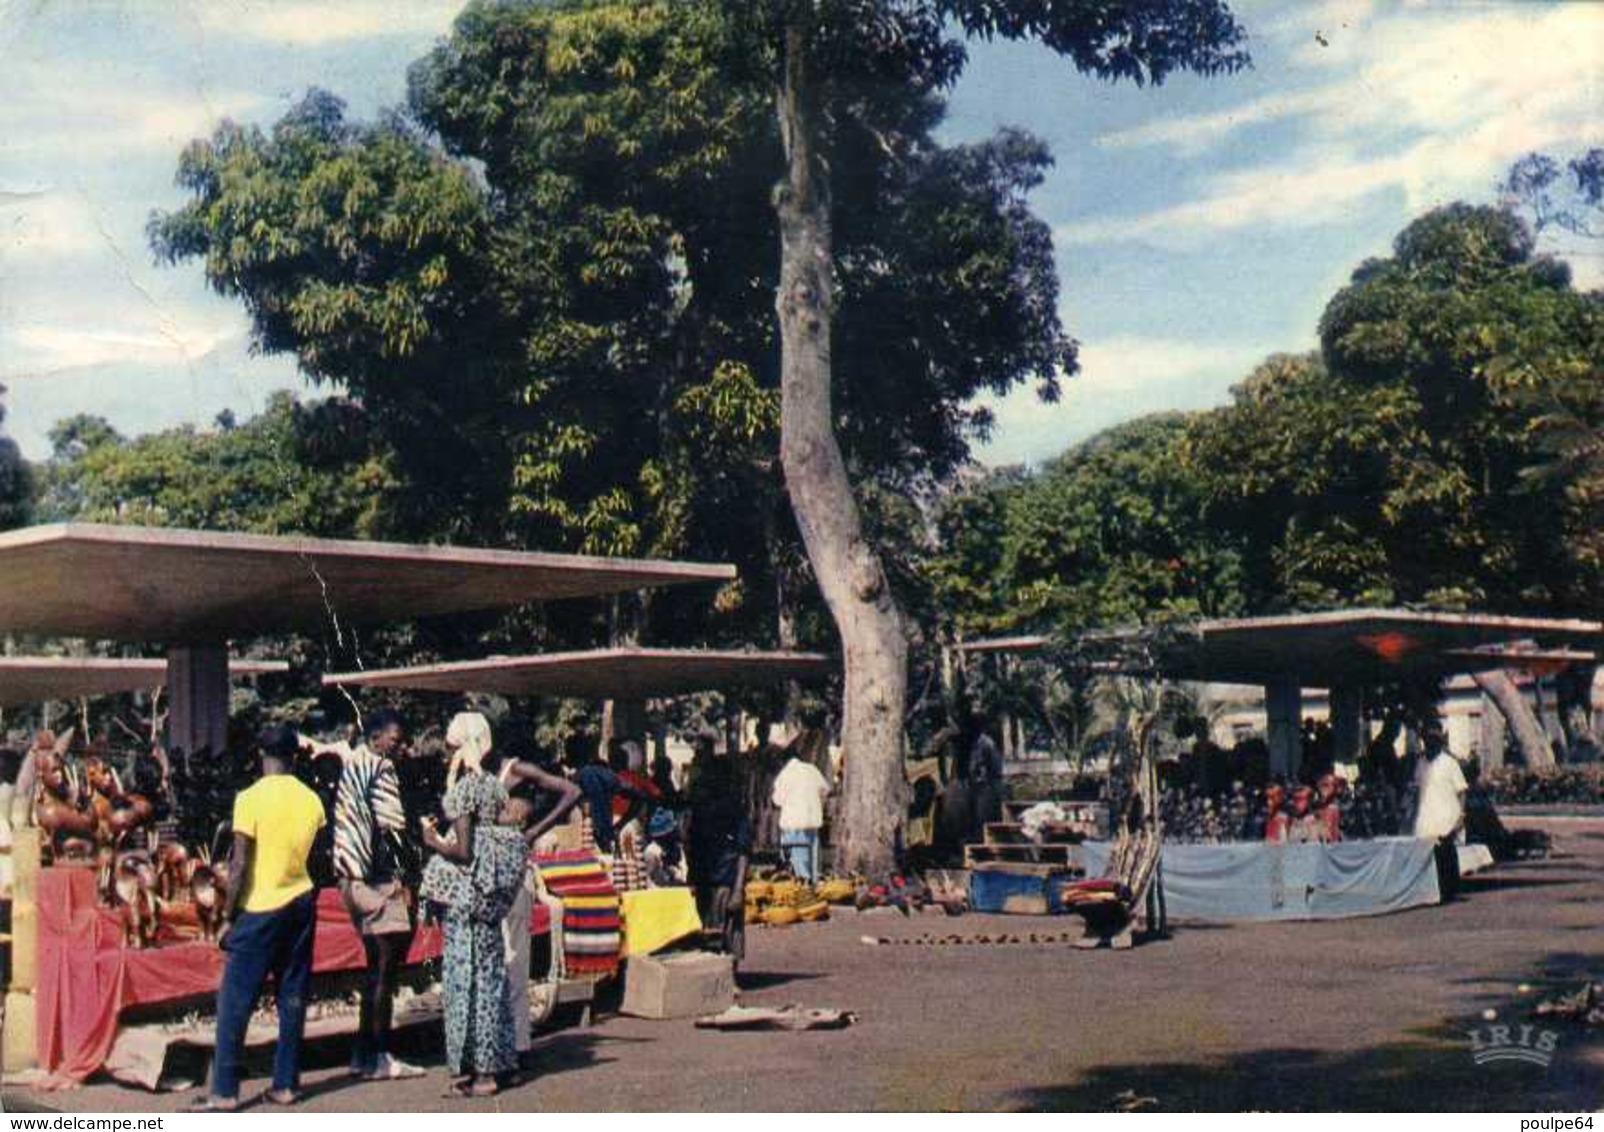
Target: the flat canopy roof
pixel 1355 645
pixel 183 586
pixel 35 679
pixel 622 673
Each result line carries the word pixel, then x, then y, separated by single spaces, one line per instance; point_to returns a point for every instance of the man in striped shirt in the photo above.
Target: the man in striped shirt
pixel 369 854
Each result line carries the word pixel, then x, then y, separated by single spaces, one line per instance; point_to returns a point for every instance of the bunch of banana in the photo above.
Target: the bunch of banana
pixel 838 890
pixel 783 901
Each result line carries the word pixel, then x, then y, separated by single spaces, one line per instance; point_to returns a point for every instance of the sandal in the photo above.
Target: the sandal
pixel 283 1097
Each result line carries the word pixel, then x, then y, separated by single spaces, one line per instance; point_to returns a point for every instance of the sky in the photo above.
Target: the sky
pixel 1198 226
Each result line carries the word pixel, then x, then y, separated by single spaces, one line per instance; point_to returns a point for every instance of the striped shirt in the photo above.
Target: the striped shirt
pixel 368 804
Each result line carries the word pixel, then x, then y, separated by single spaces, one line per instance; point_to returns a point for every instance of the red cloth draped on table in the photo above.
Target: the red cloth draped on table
pixel 592 930
pixel 87 977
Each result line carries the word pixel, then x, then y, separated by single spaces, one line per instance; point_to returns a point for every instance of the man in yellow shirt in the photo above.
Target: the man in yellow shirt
pixel 273 915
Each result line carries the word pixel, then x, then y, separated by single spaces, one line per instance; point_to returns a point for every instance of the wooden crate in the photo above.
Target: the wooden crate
pixel 1061 857
pixel 1054 833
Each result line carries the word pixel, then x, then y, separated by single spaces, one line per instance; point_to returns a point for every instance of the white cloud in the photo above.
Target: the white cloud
pixel 43 223
pixel 1120 378
pixel 106 112
pixel 1202 131
pixel 37 350
pixel 309 24
pixel 1438 104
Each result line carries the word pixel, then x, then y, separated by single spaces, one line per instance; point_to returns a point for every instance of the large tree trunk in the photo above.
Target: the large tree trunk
pixel 1523 723
pixel 848 570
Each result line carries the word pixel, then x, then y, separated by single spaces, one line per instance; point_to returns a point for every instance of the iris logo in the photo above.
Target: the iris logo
pixel 1490 1045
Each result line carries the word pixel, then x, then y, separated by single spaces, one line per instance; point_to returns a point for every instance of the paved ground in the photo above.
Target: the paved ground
pixel 1363 1014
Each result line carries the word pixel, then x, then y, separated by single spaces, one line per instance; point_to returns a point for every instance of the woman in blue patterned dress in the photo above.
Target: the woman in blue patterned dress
pixel 476 876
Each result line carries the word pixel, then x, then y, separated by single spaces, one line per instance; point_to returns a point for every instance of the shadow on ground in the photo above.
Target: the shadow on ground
pixel 1477 885
pixel 1429 1069
pixel 763 980
pixel 1434 1073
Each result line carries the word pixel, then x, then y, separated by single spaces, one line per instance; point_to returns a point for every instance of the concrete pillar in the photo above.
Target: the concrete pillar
pixel 623 719
pixel 198 691
pixel 1283 708
pixel 1347 723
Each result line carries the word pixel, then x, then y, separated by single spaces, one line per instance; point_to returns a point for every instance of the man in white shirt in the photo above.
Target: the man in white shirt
pixel 1440 811
pixel 799 794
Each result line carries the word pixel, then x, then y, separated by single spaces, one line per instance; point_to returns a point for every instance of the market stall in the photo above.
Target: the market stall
pixel 649 918
pixel 1319 874
pixel 193 591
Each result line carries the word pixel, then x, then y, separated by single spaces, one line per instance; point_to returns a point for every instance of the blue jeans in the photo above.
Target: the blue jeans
pixel 801 847
pixel 277 943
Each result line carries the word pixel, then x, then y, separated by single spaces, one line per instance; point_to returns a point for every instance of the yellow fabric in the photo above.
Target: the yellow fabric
pixel 657 917
pixel 281 817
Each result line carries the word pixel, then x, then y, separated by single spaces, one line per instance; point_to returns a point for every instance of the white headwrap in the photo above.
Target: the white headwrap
pixel 468 736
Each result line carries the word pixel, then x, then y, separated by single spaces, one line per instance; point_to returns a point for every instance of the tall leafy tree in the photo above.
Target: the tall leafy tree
pixel 825 53
pixel 604 269
pixel 1399 465
pixel 609 283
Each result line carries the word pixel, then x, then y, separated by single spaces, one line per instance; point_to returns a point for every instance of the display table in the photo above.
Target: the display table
pixel 87 977
pixel 657 917
pixel 1261 881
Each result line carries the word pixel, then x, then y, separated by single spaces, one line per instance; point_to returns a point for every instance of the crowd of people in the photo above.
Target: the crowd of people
pixel 405 838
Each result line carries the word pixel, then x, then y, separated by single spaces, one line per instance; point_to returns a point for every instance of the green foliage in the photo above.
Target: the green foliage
pixel 293 469
pixel 1443 448
pixel 1298 465
pixel 1111 533
pixel 362 251
pixel 1144 41
pixel 551 282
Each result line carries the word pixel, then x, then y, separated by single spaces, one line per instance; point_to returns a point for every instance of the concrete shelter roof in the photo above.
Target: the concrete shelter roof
pixel 189 587
pixel 35 679
pixel 617 673
pixel 1359 645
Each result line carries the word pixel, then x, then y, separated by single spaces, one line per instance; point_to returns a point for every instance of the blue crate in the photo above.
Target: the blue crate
pixel 1017 894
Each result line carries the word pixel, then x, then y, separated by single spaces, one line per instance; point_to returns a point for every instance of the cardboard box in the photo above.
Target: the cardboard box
pixel 686 984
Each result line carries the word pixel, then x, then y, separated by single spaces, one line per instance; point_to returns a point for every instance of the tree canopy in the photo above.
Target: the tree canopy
pixel 307 469
pixel 548 282
pixel 1110 533
pixel 1404 465
pixel 1440 449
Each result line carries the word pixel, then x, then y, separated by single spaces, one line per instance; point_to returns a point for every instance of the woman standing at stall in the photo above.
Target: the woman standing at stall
pixel 476 876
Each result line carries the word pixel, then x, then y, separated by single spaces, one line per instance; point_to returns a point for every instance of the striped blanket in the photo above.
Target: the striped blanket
pixel 592 930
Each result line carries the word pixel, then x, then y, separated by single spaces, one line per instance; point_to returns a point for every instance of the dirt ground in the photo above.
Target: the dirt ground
pixel 1362 1014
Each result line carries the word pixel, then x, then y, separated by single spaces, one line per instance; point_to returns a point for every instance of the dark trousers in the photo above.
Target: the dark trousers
pixel 1447 854
pixel 276 943
pixel 385 954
